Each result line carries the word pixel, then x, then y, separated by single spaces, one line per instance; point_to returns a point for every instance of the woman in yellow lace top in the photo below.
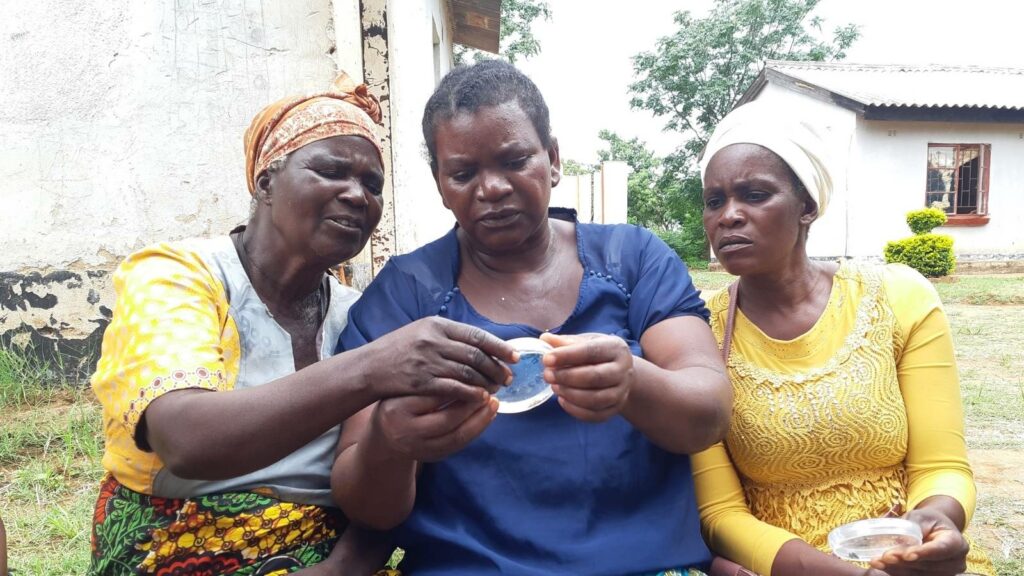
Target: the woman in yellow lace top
pixel 847 400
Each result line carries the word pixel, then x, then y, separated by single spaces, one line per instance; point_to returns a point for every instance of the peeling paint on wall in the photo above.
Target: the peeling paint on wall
pixel 377 70
pixel 132 135
pixel 58 316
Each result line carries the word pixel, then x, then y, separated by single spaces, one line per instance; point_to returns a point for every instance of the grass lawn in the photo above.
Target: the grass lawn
pixel 51 441
pixel 50 450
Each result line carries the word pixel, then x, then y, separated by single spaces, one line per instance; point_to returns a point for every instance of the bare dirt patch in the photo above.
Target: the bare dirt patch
pixel 998 524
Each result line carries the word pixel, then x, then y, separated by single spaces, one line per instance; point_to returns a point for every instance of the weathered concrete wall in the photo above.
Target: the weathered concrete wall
pixel 406 49
pixel 419 217
pixel 121 124
pixel 59 315
pixel 377 75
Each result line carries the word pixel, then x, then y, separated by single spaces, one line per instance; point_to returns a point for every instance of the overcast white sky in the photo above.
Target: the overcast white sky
pixel 585 64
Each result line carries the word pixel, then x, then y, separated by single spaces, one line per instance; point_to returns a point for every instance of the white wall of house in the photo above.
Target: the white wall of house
pixel 415 71
pixel 122 122
pixel 836 127
pixel 890 168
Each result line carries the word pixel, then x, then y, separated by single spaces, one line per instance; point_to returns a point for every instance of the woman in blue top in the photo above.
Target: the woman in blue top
pixel 595 483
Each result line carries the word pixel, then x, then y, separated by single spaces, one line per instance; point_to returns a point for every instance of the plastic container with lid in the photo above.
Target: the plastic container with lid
pixel 528 388
pixel 867 539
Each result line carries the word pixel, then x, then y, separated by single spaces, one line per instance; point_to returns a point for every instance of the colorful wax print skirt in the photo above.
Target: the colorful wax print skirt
pixel 237 534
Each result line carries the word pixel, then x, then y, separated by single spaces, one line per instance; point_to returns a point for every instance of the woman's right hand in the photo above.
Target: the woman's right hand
pixel 438 357
pixel 428 429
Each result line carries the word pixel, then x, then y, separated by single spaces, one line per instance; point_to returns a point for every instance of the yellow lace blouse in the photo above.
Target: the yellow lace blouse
pixel 859 416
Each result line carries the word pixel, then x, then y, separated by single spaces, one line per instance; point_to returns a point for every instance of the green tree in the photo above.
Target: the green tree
pixel 573 168
pixel 656 197
pixel 695 76
pixel 516 39
pixel 659 195
pixel 645 205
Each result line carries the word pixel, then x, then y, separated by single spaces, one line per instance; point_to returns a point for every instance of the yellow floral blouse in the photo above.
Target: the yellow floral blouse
pixel 187 317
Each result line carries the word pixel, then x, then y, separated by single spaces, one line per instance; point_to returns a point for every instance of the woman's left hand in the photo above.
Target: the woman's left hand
pixel 943 552
pixel 590 373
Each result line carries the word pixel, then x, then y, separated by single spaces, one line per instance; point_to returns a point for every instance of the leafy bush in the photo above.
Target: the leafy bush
pixel 925 220
pixel 688 244
pixel 929 254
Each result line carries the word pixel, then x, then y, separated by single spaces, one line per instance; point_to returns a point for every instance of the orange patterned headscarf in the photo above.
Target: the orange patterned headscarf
pixel 292 122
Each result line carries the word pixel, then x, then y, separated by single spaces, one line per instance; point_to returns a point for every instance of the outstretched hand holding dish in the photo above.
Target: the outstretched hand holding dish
pixel 590 373
pixel 440 358
pixel 943 552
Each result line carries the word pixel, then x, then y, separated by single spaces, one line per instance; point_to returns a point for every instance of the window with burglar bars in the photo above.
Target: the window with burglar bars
pixel 957 178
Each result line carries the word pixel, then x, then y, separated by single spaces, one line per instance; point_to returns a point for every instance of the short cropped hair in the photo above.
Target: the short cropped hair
pixel 486 83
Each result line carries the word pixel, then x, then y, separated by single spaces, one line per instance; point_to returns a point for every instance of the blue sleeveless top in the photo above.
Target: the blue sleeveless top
pixel 540 492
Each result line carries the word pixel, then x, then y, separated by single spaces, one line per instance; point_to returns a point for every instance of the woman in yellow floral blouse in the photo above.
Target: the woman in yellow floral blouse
pixel 222 396
pixel 847 399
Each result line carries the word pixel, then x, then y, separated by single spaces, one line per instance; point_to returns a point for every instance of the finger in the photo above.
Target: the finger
pixel 452 389
pixel 444 421
pixel 943 545
pixel 415 405
pixel 474 425
pixel 489 369
pixel 584 414
pixel 465 374
pixel 477 338
pixel 592 400
pixel 890 557
pixel 559 340
pixel 597 350
pixel 942 566
pixel 596 377
pixel 920 568
pixel 945 560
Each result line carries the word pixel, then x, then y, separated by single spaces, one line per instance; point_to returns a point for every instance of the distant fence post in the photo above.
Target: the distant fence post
pixel 614 184
pixel 599 197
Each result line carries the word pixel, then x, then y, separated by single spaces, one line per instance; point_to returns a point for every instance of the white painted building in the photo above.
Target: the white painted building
pixel 121 124
pixel 902 137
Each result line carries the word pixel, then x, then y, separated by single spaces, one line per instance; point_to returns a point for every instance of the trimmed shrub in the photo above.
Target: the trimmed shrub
pixel 929 254
pixel 925 220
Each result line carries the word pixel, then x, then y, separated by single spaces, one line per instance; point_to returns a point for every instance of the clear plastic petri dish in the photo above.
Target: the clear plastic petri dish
pixel 867 539
pixel 528 388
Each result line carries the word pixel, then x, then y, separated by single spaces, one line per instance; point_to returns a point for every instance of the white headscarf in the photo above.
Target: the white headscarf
pixel 796 142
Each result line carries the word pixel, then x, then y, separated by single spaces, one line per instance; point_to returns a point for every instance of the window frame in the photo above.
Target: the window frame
pixel 981 216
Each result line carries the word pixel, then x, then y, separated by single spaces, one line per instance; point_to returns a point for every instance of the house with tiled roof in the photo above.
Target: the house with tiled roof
pixel 901 138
